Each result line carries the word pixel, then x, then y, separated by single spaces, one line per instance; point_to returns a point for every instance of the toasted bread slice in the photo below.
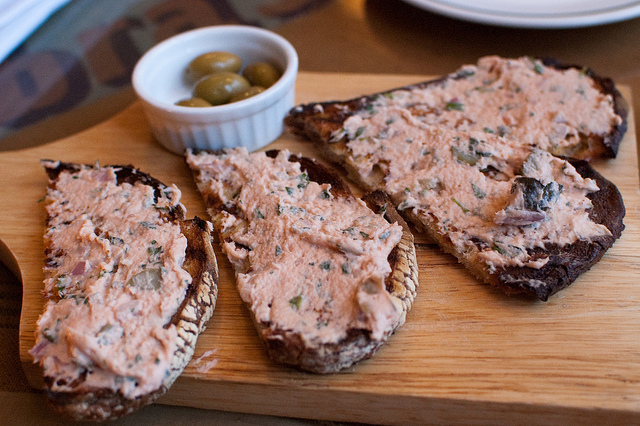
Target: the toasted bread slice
pixel 325 277
pixel 515 215
pixel 567 110
pixel 129 286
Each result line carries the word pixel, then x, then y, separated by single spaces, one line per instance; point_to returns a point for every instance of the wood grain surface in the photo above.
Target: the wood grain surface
pixel 466 355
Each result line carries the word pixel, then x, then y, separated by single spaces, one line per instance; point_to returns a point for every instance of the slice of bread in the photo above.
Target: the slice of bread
pixel 327 278
pixel 129 286
pixel 491 194
pixel 566 109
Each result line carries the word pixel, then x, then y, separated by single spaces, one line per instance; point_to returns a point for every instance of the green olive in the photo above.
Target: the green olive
pixel 220 87
pixel 194 102
pixel 213 62
pixel 251 91
pixel 261 74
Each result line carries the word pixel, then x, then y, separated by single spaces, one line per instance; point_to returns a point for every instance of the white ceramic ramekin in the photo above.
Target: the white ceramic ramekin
pixel 159 79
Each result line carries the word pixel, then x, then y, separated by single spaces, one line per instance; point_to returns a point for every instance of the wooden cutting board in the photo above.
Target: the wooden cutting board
pixel 467 354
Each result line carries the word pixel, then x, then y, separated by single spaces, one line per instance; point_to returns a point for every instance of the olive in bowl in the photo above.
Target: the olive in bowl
pixel 194 102
pixel 213 62
pixel 218 82
pixel 220 87
pixel 255 117
pixel 261 74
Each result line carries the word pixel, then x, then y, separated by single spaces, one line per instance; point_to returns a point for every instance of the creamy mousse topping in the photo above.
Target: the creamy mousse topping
pixel 520 99
pixel 493 193
pixel 307 260
pixel 113 281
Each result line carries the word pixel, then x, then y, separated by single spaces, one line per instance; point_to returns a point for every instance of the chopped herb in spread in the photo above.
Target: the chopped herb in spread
pixel 537 67
pixel 454 106
pixel 116 240
pixel 345 268
pixel 464 209
pixel 304 181
pixel 477 192
pixel 464 156
pixel 154 250
pixel 296 302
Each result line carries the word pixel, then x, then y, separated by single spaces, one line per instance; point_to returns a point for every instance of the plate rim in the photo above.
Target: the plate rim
pixel 531 20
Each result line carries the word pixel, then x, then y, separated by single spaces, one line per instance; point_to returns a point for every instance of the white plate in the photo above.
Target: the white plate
pixel 538 14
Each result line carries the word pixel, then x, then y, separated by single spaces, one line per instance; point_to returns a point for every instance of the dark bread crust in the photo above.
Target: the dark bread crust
pixel 289 347
pixel 611 141
pixel 318 121
pixel 317 172
pixel 190 319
